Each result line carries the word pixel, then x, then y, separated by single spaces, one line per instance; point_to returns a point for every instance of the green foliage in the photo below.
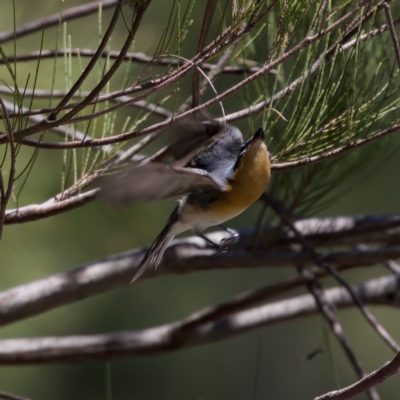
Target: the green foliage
pixel 333 91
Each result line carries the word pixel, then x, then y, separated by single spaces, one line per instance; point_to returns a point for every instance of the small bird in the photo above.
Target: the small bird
pixel 221 180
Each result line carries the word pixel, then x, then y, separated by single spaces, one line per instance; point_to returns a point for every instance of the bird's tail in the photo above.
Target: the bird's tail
pixel 156 251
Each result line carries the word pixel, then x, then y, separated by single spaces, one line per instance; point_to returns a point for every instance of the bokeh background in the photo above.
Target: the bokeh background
pixel 267 363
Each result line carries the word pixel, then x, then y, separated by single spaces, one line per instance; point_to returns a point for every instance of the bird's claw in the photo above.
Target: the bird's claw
pixel 227 243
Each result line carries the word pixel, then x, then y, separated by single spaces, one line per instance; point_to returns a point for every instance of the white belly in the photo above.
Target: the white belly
pixel 197 220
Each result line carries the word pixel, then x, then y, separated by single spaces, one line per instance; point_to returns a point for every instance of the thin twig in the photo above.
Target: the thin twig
pixel 392 30
pixel 232 117
pixel 11 396
pixel 374 378
pixel 327 310
pixel 90 65
pixel 66 132
pixel 208 15
pixel 6 193
pixel 335 152
pixel 52 20
pixel 332 270
pixel 248 68
pixel 155 109
pixel 110 73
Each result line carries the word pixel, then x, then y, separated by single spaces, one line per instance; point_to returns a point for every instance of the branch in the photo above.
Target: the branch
pixel 52 20
pixel 336 152
pixel 319 260
pixel 327 309
pixel 222 41
pixel 158 84
pixel 67 132
pixel 5 193
pixel 110 73
pixel 169 337
pixel 155 109
pixel 49 208
pixel 208 15
pixel 327 56
pixel 11 396
pixel 184 256
pixel 396 45
pixel 90 66
pixel 374 378
pixel 249 67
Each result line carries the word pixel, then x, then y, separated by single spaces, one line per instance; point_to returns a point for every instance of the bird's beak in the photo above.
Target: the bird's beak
pixel 259 135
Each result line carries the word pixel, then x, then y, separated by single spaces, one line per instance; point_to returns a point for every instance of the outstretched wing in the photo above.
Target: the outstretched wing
pixel 155 181
pixel 188 137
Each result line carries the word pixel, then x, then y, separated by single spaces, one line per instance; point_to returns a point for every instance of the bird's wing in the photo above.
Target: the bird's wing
pixel 155 181
pixel 188 137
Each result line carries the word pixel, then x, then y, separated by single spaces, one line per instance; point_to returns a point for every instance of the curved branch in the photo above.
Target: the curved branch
pixel 11 396
pixel 52 20
pixel 184 256
pixel 335 152
pixel 170 337
pixel 374 378
pixel 49 208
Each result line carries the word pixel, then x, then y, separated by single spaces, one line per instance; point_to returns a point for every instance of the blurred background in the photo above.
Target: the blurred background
pixel 267 363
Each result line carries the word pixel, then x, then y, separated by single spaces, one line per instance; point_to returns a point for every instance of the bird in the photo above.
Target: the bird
pixel 217 180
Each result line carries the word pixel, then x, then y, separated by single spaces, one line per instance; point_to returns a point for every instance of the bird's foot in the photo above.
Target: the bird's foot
pixel 227 243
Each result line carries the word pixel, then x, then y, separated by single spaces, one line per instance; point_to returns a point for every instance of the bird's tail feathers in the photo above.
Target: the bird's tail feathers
pixel 156 251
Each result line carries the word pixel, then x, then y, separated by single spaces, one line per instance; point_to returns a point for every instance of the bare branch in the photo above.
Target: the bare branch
pixel 90 66
pixel 11 396
pixel 155 109
pixel 208 15
pixel 318 259
pixel 392 31
pixel 328 311
pixel 336 152
pixel 249 68
pixel 184 256
pixel 167 337
pixel 5 194
pixel 52 20
pixel 49 208
pixel 374 378
pixel 64 131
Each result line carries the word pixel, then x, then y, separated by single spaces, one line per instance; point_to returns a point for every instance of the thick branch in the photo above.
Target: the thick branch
pixel 168 337
pixel 185 256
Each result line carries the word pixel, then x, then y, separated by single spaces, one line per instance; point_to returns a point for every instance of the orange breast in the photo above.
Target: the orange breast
pixel 248 184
